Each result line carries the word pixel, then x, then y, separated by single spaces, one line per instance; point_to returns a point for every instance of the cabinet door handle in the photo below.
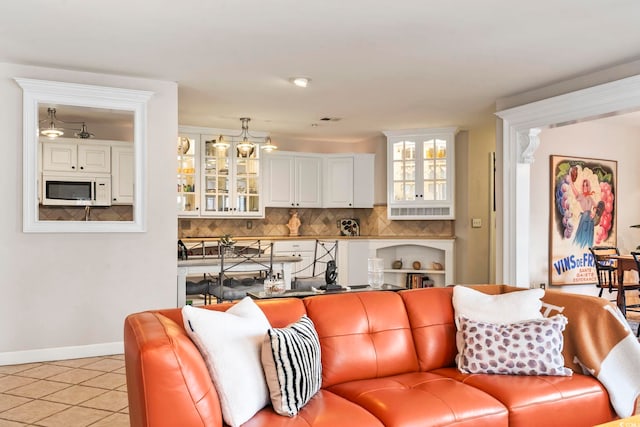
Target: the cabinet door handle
pixel 73 167
pixel 81 167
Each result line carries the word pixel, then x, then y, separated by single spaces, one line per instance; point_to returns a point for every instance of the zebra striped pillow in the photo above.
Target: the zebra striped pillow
pixel 291 361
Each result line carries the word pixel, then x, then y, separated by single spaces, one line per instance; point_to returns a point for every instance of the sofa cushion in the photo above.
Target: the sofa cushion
pixel 362 335
pixel 291 361
pixel 325 409
pixel 424 399
pixel 230 344
pixel 531 347
pixel 574 401
pixel 431 318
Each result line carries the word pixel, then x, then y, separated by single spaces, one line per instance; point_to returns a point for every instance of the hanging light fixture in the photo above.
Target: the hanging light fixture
pixel 246 145
pixel 268 146
pixel 83 133
pixel 52 131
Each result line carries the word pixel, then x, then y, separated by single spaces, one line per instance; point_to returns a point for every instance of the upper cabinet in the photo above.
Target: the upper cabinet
pixel 217 181
pixel 230 180
pixel 312 180
pixel 122 174
pixel 420 173
pixel 187 174
pixel 70 156
pixel 293 180
pixel 348 180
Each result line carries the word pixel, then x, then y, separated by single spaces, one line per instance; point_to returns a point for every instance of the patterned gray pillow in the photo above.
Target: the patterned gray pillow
pixel 530 347
pixel 291 362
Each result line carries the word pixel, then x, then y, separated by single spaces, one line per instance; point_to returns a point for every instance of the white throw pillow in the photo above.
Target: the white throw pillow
pixel 291 360
pixel 502 308
pixel 230 343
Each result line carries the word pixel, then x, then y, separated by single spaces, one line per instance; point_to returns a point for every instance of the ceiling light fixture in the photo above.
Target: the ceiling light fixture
pixel 269 146
pixel 52 131
pixel 83 133
pixel 300 81
pixel 246 145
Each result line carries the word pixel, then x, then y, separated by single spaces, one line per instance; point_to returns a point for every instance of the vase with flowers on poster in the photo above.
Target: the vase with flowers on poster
pixel 583 214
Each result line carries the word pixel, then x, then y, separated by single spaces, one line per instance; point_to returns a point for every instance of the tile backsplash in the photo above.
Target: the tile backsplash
pixel 77 213
pixel 315 222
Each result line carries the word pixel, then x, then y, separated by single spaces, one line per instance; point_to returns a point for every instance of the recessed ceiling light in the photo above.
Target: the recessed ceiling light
pixel 300 81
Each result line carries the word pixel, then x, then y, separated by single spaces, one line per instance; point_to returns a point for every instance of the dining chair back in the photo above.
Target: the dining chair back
pixel 323 269
pixel 606 267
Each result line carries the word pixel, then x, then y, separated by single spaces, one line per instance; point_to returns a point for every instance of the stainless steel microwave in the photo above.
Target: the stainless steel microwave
pixel 72 190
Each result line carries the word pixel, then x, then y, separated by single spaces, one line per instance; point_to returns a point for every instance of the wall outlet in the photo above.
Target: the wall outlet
pixel 249 225
pixel 476 222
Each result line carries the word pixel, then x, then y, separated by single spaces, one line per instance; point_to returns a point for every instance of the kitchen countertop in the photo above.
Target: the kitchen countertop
pixel 199 261
pixel 270 238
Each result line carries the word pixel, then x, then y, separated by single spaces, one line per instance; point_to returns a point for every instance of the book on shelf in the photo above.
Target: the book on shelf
pixel 418 280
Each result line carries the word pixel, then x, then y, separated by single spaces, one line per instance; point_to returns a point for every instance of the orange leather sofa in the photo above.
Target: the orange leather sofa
pixel 387 359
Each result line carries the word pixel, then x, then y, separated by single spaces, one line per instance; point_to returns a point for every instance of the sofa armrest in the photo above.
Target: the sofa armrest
pixel 168 383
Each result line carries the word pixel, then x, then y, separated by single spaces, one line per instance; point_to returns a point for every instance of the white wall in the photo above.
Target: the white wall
pixel 596 139
pixel 66 295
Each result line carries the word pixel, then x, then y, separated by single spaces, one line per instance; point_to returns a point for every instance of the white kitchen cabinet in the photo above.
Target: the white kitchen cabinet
pixel 304 249
pixel 122 175
pixel 231 180
pixel 338 179
pixel 68 155
pixel 187 149
pixel 420 173
pixel 348 181
pixel 216 181
pixel 293 180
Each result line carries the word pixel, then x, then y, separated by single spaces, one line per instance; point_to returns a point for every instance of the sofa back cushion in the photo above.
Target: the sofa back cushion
pixel 362 335
pixel 431 318
pixel 279 311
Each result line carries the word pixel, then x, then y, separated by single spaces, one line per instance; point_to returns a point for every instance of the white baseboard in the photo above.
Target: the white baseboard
pixel 61 353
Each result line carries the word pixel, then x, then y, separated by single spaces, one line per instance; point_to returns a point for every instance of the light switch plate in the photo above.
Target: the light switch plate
pixel 476 222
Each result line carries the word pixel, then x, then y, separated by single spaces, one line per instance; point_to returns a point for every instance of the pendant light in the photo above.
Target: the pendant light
pixel 246 146
pixel 52 131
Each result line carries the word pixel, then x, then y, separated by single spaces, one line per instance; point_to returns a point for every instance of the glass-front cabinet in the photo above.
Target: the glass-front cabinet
pixel 231 180
pixel 420 173
pixel 218 181
pixel 187 174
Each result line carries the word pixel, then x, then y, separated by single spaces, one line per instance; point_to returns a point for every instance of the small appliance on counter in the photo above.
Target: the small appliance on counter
pixel 349 227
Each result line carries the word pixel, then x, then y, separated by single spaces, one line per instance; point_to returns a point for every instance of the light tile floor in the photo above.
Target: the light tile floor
pixel 66 393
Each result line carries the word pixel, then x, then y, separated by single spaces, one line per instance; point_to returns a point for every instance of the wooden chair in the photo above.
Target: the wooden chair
pixel 606 268
pixel 634 307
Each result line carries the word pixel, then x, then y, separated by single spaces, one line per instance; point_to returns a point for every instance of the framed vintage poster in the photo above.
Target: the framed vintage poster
pixel 583 214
